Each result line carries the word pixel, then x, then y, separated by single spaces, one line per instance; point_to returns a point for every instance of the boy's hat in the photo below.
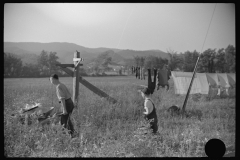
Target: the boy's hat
pixel 55 76
pixel 146 91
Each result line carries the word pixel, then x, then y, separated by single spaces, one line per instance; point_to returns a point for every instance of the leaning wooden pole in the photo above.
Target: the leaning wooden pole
pixel 96 90
pixel 189 88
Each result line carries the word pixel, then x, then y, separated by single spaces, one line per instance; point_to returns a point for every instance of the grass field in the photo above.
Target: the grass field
pixel 108 130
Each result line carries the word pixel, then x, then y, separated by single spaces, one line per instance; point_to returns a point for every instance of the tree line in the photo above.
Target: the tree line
pixel 13 66
pixel 45 65
pixel 102 63
pixel 211 61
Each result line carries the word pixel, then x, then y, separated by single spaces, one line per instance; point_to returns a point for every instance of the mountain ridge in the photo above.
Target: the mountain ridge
pixel 65 51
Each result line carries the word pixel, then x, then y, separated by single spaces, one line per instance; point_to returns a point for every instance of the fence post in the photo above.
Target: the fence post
pixel 76 79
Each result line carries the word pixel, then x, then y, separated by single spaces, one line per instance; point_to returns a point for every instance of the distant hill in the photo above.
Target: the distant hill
pixel 64 50
pixel 115 56
pixel 117 60
pixel 28 51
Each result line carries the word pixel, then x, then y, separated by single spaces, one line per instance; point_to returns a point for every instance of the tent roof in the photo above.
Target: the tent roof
pixel 182 74
pixel 231 79
pixel 223 79
pixel 212 79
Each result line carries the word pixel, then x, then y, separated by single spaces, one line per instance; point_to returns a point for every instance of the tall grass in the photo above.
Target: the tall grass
pixel 107 130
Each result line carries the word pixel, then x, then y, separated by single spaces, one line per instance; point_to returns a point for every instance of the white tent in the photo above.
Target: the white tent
pixel 202 82
pixel 182 81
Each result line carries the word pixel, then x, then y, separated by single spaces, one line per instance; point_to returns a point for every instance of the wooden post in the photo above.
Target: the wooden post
pixel 78 79
pixel 189 88
pixel 75 79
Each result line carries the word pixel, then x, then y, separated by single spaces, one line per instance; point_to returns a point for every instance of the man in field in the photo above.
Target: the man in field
pixel 64 97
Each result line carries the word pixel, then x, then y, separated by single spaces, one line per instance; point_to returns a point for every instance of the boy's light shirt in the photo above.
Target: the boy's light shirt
pixel 148 106
pixel 62 91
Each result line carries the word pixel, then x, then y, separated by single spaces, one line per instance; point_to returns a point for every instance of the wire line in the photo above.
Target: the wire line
pixel 208 28
pixel 195 68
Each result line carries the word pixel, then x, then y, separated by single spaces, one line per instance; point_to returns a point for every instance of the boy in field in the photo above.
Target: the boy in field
pixel 150 110
pixel 64 97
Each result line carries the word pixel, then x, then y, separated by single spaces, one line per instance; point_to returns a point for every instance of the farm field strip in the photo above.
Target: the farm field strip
pixel 107 130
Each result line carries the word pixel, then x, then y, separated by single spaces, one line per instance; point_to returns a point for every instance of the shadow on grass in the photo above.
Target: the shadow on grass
pixel 194 114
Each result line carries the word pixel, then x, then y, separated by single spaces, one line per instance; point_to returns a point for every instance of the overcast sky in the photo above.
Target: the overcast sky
pixel 139 26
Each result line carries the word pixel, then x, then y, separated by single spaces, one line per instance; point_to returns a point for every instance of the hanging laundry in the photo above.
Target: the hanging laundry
pixel 139 77
pixel 136 70
pixel 149 80
pixel 169 73
pixel 144 73
pixel 152 85
pixel 162 78
pixel 154 78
